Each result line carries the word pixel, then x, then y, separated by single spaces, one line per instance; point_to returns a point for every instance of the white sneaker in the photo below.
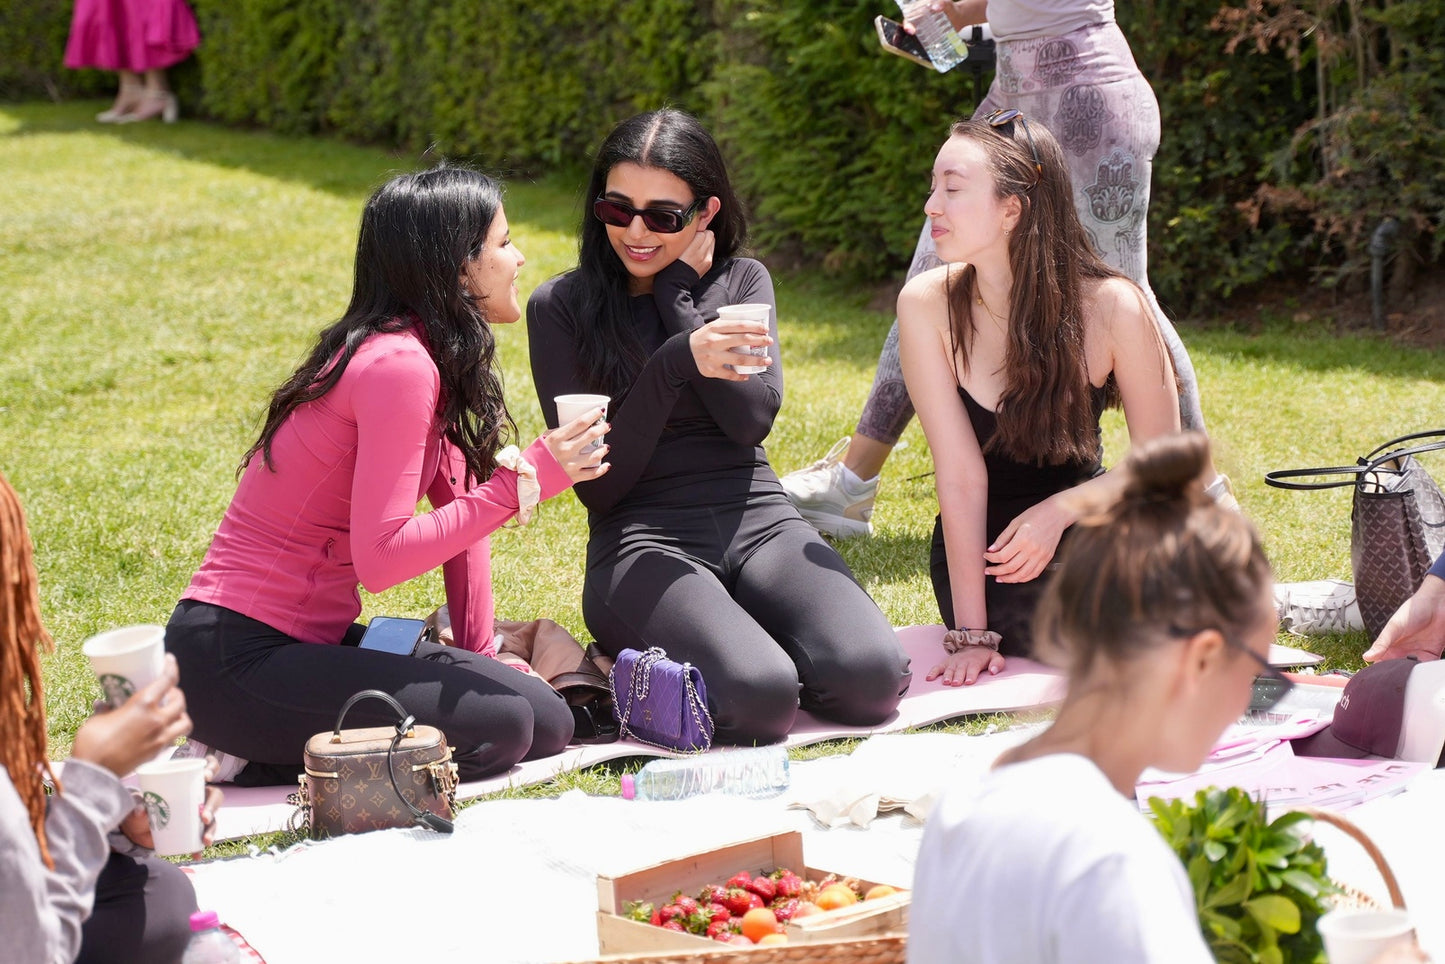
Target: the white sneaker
pixel 1317 608
pixel 1221 490
pixel 824 498
pixel 196 750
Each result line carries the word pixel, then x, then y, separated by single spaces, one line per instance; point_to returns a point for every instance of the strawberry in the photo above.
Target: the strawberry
pixel 737 901
pixel 674 925
pixel 785 908
pixel 789 884
pixel 720 930
pixel 717 912
pixel 754 901
pixel 711 894
pixel 740 880
pixel 686 904
pixel 670 913
pixel 764 887
pixel 656 919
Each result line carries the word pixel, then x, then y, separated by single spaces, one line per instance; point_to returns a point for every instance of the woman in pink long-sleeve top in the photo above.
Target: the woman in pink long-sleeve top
pixel 398 400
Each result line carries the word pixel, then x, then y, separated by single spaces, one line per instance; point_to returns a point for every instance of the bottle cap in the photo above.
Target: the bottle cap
pixel 204 920
pixel 629 787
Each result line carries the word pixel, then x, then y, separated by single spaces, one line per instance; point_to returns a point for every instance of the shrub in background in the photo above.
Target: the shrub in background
pixel 829 137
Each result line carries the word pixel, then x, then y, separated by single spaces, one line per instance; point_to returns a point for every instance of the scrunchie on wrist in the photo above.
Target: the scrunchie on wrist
pixel 956 639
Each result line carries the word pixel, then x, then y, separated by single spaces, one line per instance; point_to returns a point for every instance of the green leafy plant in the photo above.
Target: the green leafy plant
pixel 1258 884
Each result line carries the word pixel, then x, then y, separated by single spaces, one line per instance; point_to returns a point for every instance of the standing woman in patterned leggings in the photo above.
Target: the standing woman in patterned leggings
pixel 1067 64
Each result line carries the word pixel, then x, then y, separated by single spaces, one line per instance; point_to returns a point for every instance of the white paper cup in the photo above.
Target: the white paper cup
pixel 174 791
pixel 1358 936
pixel 761 313
pixel 571 406
pixel 126 660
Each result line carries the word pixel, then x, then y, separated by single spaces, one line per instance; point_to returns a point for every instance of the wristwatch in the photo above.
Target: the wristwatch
pixel 956 639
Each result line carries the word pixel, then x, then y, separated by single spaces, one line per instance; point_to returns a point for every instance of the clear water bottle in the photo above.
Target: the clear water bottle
pixel 209 944
pixel 945 47
pixel 753 772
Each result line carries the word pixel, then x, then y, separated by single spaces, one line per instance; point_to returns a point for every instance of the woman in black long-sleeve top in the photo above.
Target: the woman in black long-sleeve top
pixel 694 546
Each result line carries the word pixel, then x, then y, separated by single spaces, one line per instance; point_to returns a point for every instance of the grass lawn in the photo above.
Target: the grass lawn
pixel 160 281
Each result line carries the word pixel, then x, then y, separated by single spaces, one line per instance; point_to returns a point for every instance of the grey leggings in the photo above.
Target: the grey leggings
pixel 1085 87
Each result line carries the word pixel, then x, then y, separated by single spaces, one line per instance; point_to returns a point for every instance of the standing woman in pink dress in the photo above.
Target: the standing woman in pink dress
pixel 138 39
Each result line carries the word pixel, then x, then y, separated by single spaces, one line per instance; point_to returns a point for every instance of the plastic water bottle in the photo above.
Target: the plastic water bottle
pixel 209 944
pixel 754 772
pixel 945 47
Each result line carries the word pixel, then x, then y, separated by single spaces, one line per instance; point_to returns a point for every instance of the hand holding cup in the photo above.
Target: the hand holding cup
pixel 719 347
pixel 576 443
pixel 151 720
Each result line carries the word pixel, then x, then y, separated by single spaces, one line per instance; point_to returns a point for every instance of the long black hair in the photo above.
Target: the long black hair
pixel 418 231
pixel 609 351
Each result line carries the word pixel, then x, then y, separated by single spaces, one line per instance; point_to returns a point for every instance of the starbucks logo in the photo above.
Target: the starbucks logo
pixel 158 809
pixel 118 689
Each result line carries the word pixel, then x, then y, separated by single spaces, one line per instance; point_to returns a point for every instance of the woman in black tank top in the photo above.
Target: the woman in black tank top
pixel 1011 351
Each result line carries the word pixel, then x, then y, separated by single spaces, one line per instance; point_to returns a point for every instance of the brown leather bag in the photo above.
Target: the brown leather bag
pixel 543 647
pixel 374 778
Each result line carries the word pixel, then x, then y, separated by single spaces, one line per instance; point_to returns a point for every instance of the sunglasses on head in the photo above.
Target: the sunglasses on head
pixel 619 214
pixel 1007 115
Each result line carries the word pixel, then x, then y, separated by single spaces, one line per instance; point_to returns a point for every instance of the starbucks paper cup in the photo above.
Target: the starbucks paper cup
pixel 126 660
pixel 174 791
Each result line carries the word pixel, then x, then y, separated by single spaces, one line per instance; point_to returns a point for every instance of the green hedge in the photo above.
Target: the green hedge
pixel 830 138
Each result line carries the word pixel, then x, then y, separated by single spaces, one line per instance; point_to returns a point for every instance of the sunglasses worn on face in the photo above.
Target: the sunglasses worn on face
pixel 662 220
pixel 1270 686
pixel 1007 115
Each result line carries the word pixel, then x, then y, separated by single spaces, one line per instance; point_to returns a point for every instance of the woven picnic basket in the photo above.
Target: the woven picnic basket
pixel 1351 896
pixel 883 949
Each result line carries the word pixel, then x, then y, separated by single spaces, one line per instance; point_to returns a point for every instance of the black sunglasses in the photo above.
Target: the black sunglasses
pixel 662 220
pixel 1270 686
pixel 1007 115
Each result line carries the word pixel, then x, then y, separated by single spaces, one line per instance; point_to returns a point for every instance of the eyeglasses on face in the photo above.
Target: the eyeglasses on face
pixel 1007 115
pixel 1270 686
pixel 619 214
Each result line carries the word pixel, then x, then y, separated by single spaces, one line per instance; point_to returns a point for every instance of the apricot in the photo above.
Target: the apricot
pixel 759 923
pixel 880 890
pixel 773 939
pixel 835 896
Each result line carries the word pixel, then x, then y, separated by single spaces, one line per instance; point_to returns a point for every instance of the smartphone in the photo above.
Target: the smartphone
pixel 896 40
pixel 392 634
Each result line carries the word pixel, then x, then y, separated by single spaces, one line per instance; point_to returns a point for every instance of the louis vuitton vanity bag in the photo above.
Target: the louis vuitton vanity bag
pixel 374 778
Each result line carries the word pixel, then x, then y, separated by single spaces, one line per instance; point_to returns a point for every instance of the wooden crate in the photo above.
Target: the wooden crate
pixel 619 935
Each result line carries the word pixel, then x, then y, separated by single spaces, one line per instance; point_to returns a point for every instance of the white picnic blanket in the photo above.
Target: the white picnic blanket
pixel 517 881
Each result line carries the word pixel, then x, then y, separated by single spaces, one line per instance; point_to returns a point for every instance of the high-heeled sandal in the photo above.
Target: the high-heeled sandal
pixel 162 104
pixel 125 102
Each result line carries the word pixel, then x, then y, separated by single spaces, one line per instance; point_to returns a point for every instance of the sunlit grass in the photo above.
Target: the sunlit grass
pixel 160 280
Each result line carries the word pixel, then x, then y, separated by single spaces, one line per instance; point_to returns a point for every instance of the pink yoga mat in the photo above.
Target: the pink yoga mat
pixel 1024 684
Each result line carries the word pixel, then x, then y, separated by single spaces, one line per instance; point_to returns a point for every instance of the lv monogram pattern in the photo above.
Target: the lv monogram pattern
pixel 348 788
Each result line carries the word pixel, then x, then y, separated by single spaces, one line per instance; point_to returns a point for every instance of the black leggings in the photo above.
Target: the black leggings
pixel 755 599
pixel 143 908
pixel 259 694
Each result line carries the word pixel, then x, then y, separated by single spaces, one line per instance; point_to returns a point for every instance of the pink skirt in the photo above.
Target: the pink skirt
pixel 136 35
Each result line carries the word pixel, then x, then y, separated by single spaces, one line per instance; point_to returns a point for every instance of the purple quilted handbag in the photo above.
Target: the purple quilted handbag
pixel 660 702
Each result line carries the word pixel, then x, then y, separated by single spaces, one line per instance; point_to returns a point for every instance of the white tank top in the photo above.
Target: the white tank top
pixel 1025 19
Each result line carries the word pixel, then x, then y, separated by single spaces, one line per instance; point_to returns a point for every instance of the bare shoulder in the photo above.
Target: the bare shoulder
pixel 924 299
pixel 1115 308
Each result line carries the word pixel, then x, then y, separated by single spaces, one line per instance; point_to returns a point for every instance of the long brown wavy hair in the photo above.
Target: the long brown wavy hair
pixel 1161 561
pixel 1045 415
pixel 22 694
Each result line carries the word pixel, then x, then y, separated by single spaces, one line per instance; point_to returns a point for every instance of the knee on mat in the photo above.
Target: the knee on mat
pixel 861 688
pixel 754 711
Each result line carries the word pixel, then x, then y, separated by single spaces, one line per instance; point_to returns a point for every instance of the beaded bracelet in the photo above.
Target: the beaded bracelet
pixel 956 639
